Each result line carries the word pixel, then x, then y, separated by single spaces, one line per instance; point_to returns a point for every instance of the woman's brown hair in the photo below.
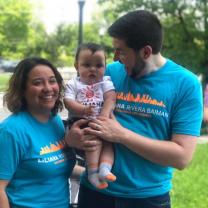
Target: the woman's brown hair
pixel 14 97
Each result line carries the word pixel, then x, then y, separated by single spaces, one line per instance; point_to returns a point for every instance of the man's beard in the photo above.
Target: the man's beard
pixel 138 68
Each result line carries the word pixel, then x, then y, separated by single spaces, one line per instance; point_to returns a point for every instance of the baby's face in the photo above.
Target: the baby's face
pixel 91 66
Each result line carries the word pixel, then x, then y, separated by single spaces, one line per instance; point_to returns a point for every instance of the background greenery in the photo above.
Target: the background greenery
pixel 3 81
pixel 185 26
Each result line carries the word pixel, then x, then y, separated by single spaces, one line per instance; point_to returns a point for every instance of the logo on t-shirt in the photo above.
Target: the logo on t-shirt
pixel 140 104
pixel 52 153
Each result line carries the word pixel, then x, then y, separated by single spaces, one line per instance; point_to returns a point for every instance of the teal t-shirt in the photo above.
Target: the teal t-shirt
pixel 36 161
pixel 157 105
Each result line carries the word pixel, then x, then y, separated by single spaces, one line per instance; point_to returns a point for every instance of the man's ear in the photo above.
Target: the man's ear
pixel 146 51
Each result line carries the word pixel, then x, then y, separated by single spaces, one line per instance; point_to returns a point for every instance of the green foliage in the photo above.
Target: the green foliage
pixel 22 35
pixel 185 27
pixel 14 18
pixel 4 78
pixel 190 185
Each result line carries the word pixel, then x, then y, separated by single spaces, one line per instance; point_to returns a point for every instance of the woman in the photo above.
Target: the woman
pixel 35 163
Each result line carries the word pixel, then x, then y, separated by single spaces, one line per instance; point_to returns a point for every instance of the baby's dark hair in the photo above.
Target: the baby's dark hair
pixel 88 46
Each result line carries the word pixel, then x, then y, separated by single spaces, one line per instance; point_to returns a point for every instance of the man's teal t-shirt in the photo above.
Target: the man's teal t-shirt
pixel 36 161
pixel 165 102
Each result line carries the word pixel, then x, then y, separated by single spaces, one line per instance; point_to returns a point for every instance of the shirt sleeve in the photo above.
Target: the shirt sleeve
pixel 10 155
pixel 188 109
pixel 70 90
pixel 107 84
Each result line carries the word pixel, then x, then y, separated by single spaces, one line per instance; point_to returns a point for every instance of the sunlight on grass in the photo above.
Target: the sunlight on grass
pixel 190 185
pixel 4 78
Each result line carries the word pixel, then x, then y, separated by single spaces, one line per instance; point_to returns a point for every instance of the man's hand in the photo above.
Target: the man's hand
pixel 106 128
pixel 77 138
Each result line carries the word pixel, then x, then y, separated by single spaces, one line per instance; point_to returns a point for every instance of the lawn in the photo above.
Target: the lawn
pixel 4 77
pixel 190 186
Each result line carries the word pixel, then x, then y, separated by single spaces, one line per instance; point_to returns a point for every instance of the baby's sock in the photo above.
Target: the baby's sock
pixel 105 172
pixel 94 179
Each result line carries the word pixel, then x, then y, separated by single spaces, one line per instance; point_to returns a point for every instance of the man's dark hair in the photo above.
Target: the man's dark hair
pixel 138 29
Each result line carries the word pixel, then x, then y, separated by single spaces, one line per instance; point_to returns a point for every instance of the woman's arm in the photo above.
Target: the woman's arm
pixel 4 202
pixel 77 171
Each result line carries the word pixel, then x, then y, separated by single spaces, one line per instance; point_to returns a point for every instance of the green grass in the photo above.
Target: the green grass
pixel 190 186
pixel 4 78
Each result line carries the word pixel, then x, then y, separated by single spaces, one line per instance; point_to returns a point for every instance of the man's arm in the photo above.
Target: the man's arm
pixel 176 152
pixel 4 203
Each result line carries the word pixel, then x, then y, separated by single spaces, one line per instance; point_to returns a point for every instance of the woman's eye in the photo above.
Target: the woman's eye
pixel 53 80
pixel 37 82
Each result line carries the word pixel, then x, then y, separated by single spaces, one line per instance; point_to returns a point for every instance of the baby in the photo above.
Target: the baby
pixel 90 95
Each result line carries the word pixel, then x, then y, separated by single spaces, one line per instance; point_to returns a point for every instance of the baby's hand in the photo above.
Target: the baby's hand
pixel 89 110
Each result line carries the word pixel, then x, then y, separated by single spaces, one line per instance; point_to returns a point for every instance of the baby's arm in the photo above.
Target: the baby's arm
pixel 78 108
pixel 109 103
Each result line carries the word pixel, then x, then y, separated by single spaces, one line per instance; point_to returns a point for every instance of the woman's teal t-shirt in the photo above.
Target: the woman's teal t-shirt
pixel 36 161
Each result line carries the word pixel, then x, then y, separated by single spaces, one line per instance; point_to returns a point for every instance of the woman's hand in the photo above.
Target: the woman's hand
pixel 106 128
pixel 77 138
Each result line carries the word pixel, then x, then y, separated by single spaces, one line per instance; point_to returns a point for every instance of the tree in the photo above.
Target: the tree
pixel 14 28
pixel 61 44
pixel 185 27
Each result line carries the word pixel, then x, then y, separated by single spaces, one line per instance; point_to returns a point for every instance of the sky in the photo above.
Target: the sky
pixel 54 12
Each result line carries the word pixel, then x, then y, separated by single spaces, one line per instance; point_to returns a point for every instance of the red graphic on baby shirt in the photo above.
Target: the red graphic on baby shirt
pixel 89 94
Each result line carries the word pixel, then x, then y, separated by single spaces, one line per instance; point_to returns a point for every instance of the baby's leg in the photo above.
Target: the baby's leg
pixel 92 159
pixel 106 162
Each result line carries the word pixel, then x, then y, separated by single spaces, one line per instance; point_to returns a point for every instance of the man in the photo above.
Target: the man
pixel 158 118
